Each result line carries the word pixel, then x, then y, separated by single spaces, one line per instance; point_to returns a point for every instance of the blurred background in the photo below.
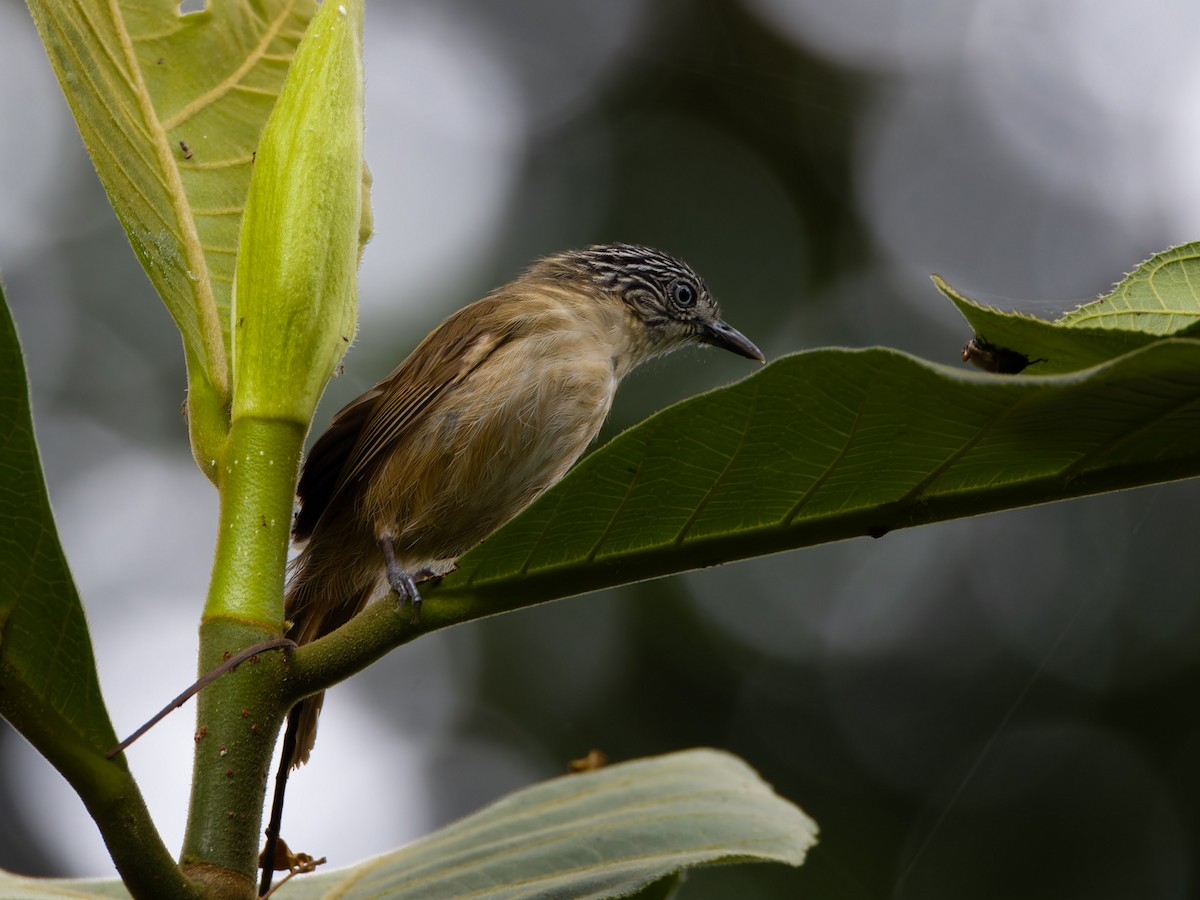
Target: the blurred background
pixel 987 708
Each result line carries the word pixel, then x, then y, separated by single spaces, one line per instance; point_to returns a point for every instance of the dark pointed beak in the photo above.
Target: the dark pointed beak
pixel 729 338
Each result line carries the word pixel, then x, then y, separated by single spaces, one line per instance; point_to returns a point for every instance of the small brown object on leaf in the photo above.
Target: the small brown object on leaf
pixel 983 354
pixel 595 759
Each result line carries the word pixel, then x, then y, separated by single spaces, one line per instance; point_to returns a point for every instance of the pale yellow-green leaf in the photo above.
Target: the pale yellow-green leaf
pixel 606 833
pixel 170 108
pixel 16 887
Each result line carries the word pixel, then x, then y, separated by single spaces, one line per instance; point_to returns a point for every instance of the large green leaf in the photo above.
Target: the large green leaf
pixel 48 684
pixel 170 108
pixel 606 833
pixel 835 444
pixel 49 689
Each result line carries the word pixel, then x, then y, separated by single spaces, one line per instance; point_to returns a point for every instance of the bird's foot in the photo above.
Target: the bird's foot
pixel 405 585
pixel 402 582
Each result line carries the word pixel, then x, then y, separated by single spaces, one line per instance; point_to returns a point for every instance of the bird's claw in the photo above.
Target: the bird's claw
pixel 405 586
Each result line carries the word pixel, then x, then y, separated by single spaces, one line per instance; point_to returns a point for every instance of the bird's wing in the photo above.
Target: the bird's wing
pixel 362 432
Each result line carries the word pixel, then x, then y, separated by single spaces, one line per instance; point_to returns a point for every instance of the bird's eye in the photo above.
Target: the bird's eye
pixel 683 294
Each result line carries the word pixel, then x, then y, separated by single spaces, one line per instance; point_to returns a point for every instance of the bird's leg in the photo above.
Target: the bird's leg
pixel 403 583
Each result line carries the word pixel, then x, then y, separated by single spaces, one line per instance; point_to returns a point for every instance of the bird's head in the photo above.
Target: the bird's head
pixel 667 300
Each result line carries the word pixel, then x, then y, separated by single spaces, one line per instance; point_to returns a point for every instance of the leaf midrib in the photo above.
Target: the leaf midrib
pixel 212 339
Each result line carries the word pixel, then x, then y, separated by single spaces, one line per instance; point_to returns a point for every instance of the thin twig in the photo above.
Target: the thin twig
pixel 206 679
pixel 302 869
pixel 276 822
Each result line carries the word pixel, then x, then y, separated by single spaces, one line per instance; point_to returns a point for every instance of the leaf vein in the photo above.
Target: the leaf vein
pixel 750 407
pixel 271 29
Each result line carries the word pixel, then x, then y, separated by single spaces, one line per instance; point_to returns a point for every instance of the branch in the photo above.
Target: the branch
pixel 385 625
pixel 381 627
pixel 238 715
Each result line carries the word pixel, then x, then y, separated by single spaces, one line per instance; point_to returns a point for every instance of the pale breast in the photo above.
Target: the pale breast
pixel 493 444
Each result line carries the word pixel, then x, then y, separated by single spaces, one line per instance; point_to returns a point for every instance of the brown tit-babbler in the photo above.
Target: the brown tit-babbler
pixel 490 409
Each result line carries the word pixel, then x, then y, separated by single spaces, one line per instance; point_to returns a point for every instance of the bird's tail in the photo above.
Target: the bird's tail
pixel 314 612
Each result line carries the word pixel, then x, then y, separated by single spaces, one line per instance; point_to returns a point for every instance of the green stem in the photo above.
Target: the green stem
pixel 111 796
pixel 257 483
pixel 238 716
pixel 381 627
pixel 114 801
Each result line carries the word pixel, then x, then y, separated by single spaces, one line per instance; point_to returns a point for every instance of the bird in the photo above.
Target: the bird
pixel 491 409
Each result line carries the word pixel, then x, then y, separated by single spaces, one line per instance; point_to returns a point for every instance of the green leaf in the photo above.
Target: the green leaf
pixel 663 889
pixel 1063 349
pixel 16 887
pixel 48 684
pixel 170 108
pixel 828 445
pixel 1159 298
pixel 49 689
pixel 606 833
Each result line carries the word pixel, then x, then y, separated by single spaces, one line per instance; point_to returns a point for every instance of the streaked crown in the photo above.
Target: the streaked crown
pixel 664 293
pixel 658 287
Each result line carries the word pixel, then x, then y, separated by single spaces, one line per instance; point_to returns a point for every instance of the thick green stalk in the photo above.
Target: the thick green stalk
pixel 257 484
pixel 238 716
pixel 292 317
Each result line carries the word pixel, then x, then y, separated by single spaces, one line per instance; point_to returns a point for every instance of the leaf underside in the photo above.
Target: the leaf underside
pixel 170 107
pixel 606 833
pixel 17 887
pixel 833 444
pixel 609 833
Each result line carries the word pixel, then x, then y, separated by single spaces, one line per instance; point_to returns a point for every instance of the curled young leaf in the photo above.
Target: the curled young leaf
pixel 294 305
